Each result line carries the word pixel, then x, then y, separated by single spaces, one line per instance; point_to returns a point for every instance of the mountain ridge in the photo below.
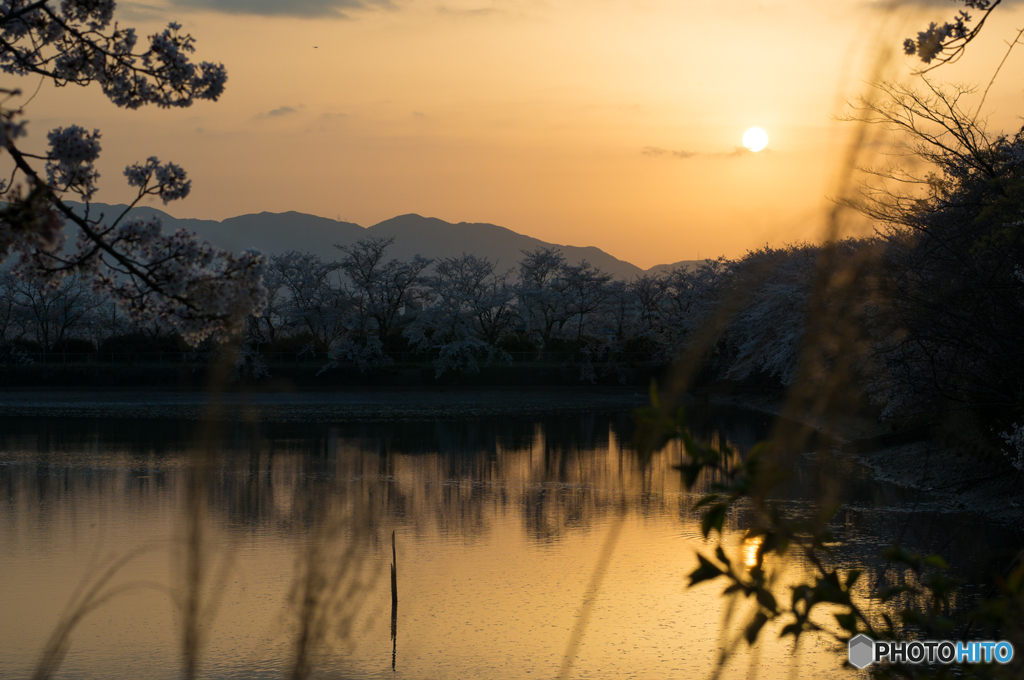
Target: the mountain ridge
pixel 431 237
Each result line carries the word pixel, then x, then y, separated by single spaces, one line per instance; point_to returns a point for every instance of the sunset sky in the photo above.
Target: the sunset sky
pixel 613 123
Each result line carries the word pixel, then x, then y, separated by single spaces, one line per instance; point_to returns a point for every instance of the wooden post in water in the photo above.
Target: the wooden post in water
pixel 394 602
pixel 394 572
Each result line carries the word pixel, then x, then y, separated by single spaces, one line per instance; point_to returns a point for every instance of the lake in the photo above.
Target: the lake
pixel 513 516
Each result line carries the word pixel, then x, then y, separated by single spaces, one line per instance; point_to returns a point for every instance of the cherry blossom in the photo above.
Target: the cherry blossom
pixel 1014 440
pixel 172 280
pixel 942 43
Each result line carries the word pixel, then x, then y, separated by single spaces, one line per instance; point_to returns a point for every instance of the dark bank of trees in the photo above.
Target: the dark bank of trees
pixel 460 313
pixel 953 261
pixel 943 314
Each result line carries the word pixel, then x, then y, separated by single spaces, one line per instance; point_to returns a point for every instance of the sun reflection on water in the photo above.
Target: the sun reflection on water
pixel 750 546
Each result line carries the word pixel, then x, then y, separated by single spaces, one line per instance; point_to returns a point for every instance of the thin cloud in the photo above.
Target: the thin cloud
pixel 333 9
pixel 656 151
pixel 471 13
pixel 278 112
pixel 736 152
pixel 741 151
pixel 137 11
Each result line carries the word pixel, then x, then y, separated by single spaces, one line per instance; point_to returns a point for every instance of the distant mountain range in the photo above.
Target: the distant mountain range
pixel 276 233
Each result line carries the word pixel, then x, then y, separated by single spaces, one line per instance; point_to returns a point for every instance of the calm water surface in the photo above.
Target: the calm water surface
pixel 500 523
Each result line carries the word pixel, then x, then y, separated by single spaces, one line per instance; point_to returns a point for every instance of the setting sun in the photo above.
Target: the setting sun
pixel 755 139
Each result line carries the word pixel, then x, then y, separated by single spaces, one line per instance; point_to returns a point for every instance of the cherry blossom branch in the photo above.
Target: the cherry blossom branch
pixel 951 36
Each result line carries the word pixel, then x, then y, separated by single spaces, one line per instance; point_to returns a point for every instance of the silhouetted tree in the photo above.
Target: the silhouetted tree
pixel 470 310
pixel 955 257
pixel 585 291
pixel 379 288
pixel 540 291
pixel 174 280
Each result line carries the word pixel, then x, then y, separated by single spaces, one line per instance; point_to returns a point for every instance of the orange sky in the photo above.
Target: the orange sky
pixel 554 118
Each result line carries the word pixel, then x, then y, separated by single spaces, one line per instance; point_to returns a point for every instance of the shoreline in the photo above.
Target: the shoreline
pixel 316 406
pixel 991 489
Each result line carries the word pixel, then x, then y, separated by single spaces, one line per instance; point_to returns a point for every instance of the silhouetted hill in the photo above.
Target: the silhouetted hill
pixel 275 233
pixel 662 269
pixel 271 233
pixel 434 238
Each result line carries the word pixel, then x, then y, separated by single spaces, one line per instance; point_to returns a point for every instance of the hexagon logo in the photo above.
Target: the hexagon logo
pixel 862 651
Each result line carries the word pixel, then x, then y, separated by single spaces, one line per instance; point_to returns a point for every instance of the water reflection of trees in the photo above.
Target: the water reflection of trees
pixel 456 479
pixel 451 477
